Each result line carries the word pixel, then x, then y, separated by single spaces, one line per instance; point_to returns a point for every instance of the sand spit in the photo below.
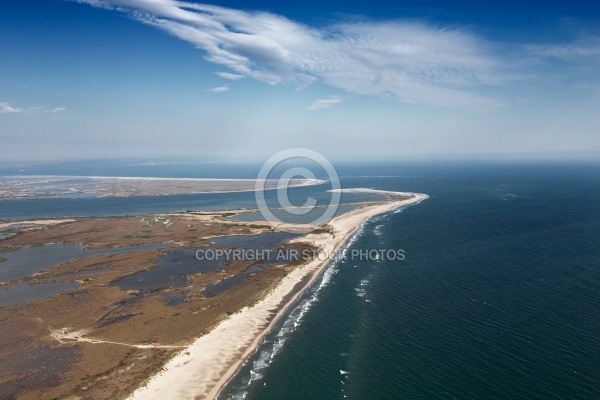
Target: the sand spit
pixel 202 369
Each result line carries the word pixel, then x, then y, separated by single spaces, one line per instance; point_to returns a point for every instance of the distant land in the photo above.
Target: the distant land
pixel 52 186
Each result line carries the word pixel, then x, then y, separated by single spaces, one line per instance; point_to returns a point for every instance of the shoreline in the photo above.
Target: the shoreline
pixel 204 368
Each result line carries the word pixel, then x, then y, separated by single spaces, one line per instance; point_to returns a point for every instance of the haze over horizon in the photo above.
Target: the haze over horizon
pixel 164 79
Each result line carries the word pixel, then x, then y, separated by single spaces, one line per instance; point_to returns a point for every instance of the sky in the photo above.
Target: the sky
pixel 233 80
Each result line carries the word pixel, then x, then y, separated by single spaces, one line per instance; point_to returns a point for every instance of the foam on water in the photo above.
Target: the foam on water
pixel 377 230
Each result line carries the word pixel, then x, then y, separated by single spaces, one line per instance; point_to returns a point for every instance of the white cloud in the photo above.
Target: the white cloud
pixel 220 89
pixel 582 49
pixel 6 108
pixel 325 103
pixel 412 61
pixel 230 76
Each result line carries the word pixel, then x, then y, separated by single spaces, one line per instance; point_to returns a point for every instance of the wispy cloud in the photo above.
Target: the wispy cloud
pixel 582 49
pixel 220 89
pixel 230 76
pixel 324 103
pixel 412 61
pixel 6 108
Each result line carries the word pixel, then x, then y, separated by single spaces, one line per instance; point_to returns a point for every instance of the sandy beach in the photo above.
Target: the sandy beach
pixel 202 369
pixel 36 222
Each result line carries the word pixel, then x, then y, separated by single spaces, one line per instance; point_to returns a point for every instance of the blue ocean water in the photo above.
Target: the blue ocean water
pixel 498 296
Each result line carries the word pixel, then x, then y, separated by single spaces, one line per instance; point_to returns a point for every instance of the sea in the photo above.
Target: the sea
pixel 497 295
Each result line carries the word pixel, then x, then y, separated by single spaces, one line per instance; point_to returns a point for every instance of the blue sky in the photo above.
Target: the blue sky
pixel 240 80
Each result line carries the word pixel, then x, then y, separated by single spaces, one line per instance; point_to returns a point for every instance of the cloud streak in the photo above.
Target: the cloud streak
pixel 230 76
pixel 586 49
pixel 220 89
pixel 324 103
pixel 411 61
pixel 6 108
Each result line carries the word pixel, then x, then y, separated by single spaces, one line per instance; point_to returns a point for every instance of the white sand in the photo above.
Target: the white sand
pixel 201 370
pixel 65 335
pixel 35 222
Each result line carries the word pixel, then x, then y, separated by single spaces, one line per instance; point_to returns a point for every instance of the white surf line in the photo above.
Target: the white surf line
pixel 63 336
